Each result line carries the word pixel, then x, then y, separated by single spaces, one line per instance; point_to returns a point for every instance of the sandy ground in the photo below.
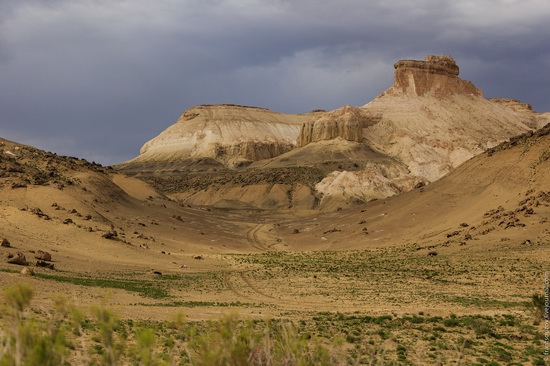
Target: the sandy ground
pixel 444 248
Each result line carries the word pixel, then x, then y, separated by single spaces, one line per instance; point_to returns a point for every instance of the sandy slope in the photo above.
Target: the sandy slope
pixel 426 215
pixel 155 233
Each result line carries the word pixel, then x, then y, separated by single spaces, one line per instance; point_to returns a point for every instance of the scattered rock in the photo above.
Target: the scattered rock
pixel 487 231
pixel 454 233
pixel 111 234
pixel 27 271
pixel 198 257
pixel 432 254
pixel 19 259
pixel 45 264
pixel 18 185
pixel 68 221
pixel 6 243
pixel 38 212
pixel 44 256
pixel 295 231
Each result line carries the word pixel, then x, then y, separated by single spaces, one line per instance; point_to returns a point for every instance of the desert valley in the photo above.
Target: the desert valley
pixel 411 230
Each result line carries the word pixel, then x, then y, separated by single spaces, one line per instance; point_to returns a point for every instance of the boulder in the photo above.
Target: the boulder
pixel 27 271
pixel 45 264
pixel 19 259
pixel 44 256
pixel 111 234
pixel 6 243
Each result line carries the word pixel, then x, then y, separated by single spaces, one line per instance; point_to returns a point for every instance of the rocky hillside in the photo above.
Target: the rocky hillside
pixel 499 198
pixel 425 125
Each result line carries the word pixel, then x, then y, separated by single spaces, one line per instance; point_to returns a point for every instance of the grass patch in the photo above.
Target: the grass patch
pixel 144 288
pixel 479 302
pixel 7 270
pixel 196 304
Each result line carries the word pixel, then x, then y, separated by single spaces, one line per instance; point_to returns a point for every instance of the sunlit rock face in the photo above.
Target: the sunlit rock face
pixel 437 75
pixel 421 128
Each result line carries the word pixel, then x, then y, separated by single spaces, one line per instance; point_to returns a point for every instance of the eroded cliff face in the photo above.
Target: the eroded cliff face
pixel 437 75
pixel 229 134
pixel 347 123
pixel 421 128
pixel 526 109
pixel 429 121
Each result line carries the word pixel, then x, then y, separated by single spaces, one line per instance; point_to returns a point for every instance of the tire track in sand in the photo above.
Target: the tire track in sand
pixel 253 239
pixel 231 287
pixel 228 282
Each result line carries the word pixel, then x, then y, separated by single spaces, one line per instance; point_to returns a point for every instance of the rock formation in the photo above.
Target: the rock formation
pixel 421 128
pixel 43 256
pixel 437 75
pixel 19 259
pixel 227 134
pixel 346 122
pixel 429 121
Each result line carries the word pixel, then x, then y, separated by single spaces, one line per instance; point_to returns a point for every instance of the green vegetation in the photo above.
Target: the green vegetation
pixel 144 288
pixel 182 181
pixel 150 287
pixel 195 304
pixel 67 336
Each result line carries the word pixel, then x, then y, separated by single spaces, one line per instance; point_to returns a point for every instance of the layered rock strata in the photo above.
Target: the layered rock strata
pixel 425 125
pixel 229 134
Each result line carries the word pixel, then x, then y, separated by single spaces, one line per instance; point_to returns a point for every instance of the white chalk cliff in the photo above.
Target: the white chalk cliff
pixel 421 128
pixel 430 120
pixel 230 134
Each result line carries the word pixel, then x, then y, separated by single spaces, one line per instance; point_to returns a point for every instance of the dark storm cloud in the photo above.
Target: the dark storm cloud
pixel 97 78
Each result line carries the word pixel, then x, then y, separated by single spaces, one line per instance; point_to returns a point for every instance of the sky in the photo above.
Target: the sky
pixel 98 78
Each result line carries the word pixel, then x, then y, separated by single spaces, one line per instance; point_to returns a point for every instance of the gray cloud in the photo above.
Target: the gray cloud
pixel 97 78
